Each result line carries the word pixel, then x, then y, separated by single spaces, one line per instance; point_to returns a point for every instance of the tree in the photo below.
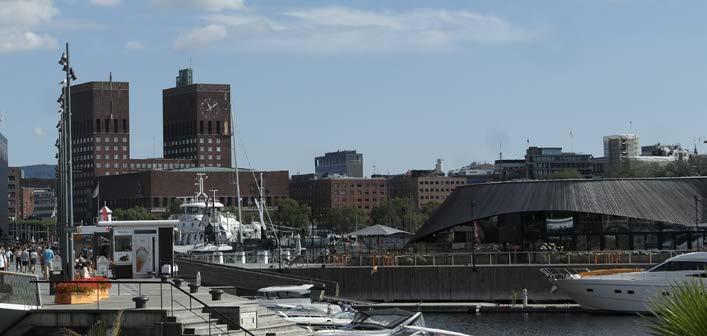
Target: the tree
pixel 402 213
pixel 291 213
pixel 174 207
pixel 347 219
pixel 135 213
pixel 565 174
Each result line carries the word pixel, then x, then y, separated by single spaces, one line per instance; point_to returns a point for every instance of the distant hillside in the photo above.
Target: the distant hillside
pixel 43 171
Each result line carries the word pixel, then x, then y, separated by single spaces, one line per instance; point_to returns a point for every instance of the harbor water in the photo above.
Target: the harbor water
pixel 550 324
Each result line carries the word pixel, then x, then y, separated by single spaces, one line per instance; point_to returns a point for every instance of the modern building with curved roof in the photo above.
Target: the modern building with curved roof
pixel 641 213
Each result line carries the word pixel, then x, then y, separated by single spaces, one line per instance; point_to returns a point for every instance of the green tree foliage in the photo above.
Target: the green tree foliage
pixel 345 220
pixel 291 213
pixel 136 213
pixel 683 312
pixel 174 208
pixel 634 168
pixel 401 213
pixel 565 174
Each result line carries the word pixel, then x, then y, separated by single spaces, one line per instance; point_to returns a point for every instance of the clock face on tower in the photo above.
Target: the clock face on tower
pixel 209 108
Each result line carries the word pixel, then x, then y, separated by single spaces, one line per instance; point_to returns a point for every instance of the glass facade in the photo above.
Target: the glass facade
pixel 4 220
pixel 578 231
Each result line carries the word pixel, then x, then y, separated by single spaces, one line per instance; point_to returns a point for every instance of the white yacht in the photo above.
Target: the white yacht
pixel 200 212
pixel 387 322
pixel 628 290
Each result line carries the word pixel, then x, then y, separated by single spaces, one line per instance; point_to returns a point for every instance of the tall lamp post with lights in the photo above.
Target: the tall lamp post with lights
pixel 65 195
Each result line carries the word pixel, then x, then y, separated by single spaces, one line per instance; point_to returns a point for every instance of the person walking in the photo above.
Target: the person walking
pixel 48 257
pixel 25 260
pixel 18 260
pixel 3 263
pixel 8 256
pixel 33 260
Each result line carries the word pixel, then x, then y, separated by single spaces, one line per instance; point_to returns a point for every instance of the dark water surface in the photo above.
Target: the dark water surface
pixel 522 324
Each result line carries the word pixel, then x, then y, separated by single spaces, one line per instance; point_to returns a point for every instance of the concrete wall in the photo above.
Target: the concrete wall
pixel 247 281
pixel 489 283
pixel 48 322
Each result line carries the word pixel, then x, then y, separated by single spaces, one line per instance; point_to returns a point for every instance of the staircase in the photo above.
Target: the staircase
pixel 198 320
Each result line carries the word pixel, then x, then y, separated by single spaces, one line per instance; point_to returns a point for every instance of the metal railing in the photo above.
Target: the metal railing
pixel 204 306
pixel 452 259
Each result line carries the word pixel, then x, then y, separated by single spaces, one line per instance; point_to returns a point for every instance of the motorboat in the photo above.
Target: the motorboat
pixel 387 322
pixel 315 318
pixel 287 298
pixel 628 290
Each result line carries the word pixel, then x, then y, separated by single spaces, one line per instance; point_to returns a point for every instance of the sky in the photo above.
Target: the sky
pixel 404 82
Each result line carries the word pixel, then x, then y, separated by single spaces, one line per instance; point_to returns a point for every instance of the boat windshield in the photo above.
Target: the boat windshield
pixel 285 295
pixel 377 322
pixel 674 266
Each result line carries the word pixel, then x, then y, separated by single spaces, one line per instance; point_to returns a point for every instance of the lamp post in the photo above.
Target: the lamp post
pixel 698 208
pixel 66 222
pixel 473 239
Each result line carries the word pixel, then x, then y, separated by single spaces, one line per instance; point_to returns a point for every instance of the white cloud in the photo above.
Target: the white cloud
pixel 105 3
pixel 337 29
pixel 207 5
pixel 19 20
pixel 200 36
pixel 39 132
pixel 134 45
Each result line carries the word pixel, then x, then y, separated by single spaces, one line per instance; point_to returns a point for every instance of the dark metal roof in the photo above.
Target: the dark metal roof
pixel 670 200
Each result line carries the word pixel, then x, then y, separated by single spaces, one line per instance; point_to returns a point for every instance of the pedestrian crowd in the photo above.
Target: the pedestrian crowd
pixel 27 258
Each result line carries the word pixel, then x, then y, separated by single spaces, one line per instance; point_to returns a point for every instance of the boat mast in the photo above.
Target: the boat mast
pixel 238 185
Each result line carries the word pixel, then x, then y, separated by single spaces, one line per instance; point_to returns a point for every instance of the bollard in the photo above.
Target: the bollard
pixel 240 258
pixel 193 288
pixel 216 294
pixel 177 282
pixel 218 258
pixel 140 301
pixel 525 297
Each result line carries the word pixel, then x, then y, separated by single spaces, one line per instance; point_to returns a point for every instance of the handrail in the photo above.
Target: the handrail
pixel 220 314
pixel 199 316
pixel 209 308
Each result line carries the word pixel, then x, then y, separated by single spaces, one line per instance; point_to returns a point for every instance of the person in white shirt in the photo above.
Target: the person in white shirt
pixel 3 263
pixel 8 257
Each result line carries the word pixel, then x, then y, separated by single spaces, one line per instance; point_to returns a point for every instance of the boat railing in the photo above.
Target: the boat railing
pixel 561 273
pixel 391 259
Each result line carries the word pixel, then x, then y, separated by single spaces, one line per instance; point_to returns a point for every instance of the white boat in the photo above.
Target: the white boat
pixel 387 322
pixel 203 214
pixel 628 290
pixel 286 298
pixel 316 318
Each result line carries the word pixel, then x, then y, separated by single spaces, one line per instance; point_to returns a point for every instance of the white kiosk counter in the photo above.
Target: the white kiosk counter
pixel 141 248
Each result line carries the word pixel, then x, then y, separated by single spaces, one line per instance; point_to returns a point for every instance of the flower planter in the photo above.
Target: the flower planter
pixel 74 298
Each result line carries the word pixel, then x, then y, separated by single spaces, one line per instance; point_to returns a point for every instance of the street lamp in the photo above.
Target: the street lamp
pixel 65 196
pixel 473 239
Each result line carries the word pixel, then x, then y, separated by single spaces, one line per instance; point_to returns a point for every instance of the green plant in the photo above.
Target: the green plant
pixel 683 312
pixel 101 328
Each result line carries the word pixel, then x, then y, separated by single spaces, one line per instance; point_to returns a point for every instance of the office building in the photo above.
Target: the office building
pixel 505 170
pixel 14 193
pixel 474 173
pixel 44 203
pixel 546 162
pixel 342 163
pixel 323 194
pixel 618 149
pixel 424 186
pixel 158 190
pixel 4 188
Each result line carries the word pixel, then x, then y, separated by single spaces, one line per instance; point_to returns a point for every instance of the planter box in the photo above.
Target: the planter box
pixel 74 298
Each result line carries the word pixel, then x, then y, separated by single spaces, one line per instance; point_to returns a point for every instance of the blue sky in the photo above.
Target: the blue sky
pixel 404 82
